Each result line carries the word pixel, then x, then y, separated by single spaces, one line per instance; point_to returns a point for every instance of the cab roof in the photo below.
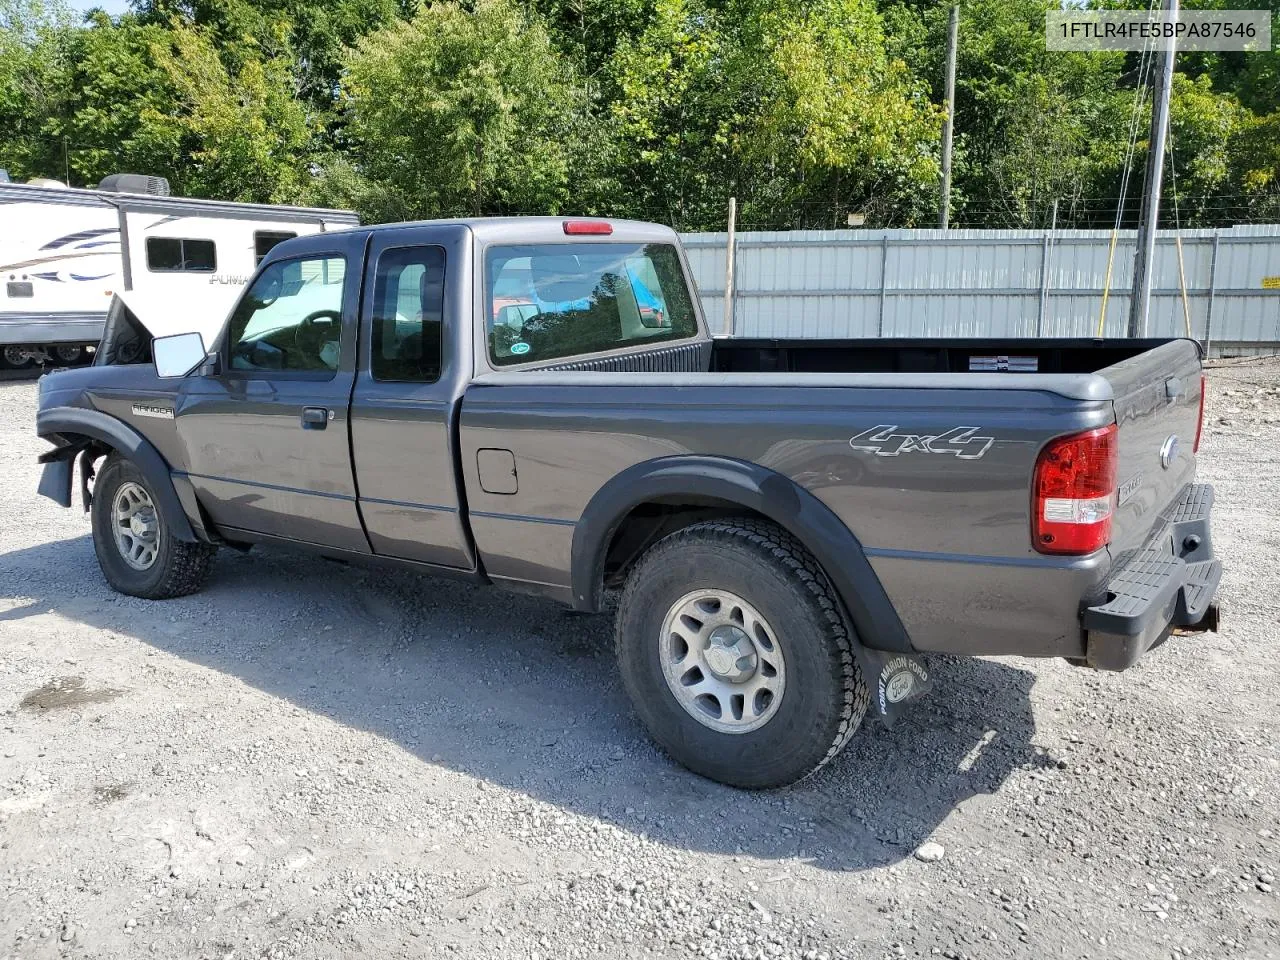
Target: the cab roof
pixel 489 230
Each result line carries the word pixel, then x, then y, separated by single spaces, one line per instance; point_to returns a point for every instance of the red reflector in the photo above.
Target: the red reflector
pixel 1074 492
pixel 595 228
pixel 1204 388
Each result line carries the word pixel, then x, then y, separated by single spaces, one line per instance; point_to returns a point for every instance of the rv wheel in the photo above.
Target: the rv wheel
pixel 16 356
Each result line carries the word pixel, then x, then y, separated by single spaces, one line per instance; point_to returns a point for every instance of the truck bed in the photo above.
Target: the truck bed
pixel 924 356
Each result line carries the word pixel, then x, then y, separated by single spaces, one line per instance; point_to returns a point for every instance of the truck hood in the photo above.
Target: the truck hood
pixel 136 317
pixel 164 314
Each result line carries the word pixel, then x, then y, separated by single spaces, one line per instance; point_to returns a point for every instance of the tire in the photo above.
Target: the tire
pixel 69 352
pixel 175 568
pixel 770 581
pixel 9 357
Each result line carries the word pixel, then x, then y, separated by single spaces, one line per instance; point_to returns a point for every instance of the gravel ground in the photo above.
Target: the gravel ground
pixel 311 760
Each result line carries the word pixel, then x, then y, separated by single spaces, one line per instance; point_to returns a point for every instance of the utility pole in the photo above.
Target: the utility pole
pixel 953 28
pixel 731 254
pixel 1144 258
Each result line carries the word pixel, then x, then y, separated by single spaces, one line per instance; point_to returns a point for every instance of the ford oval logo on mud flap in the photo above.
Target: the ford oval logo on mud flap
pixel 1169 451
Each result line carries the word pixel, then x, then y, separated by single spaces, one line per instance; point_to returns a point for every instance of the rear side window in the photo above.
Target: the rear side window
pixel 264 240
pixel 408 310
pixel 547 301
pixel 167 254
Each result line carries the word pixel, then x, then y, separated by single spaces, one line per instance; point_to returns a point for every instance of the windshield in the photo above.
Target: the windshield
pixel 547 301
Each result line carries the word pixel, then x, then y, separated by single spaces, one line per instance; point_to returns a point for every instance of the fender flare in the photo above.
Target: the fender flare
pixel 130 444
pixel 764 491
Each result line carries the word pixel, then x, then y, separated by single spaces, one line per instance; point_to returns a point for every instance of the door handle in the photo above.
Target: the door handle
pixel 315 418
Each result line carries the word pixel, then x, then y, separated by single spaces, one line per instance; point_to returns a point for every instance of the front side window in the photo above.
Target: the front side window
pixel 408 310
pixel 291 318
pixel 167 254
pixel 546 301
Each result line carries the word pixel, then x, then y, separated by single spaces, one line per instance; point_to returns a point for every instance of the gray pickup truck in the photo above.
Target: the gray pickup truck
pixel 786 526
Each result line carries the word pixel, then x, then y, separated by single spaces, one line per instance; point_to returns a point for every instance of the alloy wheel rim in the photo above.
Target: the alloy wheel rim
pixel 135 526
pixel 722 661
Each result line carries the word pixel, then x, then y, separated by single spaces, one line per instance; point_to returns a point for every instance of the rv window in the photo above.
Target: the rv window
pixel 264 240
pixel 408 306
pixel 172 253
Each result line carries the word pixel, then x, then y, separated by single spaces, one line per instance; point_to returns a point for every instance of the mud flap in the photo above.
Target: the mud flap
pixel 895 679
pixel 55 478
pixel 55 482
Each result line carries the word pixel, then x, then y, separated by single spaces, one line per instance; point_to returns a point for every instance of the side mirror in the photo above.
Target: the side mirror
pixel 178 355
pixel 211 365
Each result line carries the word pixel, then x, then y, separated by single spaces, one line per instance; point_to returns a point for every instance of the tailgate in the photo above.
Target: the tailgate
pixel 1157 406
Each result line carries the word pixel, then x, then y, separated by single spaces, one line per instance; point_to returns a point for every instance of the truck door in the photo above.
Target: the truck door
pixel 416 361
pixel 266 438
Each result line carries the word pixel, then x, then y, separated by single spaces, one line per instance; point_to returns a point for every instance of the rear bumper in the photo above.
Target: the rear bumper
pixel 1171 582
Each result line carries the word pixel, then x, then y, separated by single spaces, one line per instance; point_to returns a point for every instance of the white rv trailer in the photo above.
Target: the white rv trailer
pixel 65 251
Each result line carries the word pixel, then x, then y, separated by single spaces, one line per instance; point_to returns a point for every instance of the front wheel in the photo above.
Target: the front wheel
pixel 737 656
pixel 135 545
pixel 16 357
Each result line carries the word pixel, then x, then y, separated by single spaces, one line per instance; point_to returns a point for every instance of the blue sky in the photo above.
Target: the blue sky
pixel 112 7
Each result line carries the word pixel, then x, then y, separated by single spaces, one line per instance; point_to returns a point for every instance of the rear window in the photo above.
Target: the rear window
pixel 548 301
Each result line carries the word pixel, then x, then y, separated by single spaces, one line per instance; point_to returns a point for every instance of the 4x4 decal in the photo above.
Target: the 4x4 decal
pixel 884 441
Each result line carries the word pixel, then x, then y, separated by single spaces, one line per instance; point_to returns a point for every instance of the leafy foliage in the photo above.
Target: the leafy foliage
pixel 34 58
pixel 458 111
pixel 805 110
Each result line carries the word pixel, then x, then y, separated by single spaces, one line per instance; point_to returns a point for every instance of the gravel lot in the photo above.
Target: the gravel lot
pixel 311 760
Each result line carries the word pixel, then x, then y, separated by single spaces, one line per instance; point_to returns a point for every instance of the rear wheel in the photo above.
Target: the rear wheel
pixel 134 542
pixel 737 655
pixel 69 352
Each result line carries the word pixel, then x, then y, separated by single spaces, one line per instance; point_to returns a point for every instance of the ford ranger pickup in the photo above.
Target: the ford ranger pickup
pixel 785 527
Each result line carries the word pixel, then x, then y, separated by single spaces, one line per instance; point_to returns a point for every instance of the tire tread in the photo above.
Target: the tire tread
pixel 187 564
pixel 776 545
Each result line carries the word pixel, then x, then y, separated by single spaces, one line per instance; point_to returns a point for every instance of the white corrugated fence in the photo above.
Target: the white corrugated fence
pixel 996 283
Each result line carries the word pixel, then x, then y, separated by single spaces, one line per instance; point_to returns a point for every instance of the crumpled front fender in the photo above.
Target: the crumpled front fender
pixel 67 427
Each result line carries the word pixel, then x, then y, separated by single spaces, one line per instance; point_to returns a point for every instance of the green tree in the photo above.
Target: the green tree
pixel 805 110
pixel 674 116
pixel 158 99
pixel 1204 131
pixel 457 112
pixel 793 107
pixel 589 31
pixel 244 135
pixel 315 34
pixel 856 124
pixel 34 59
pixel 1035 126
pixel 1031 126
pixel 112 86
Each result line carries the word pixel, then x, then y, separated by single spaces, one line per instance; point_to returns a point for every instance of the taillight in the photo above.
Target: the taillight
pixel 1074 492
pixel 591 228
pixel 1204 387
